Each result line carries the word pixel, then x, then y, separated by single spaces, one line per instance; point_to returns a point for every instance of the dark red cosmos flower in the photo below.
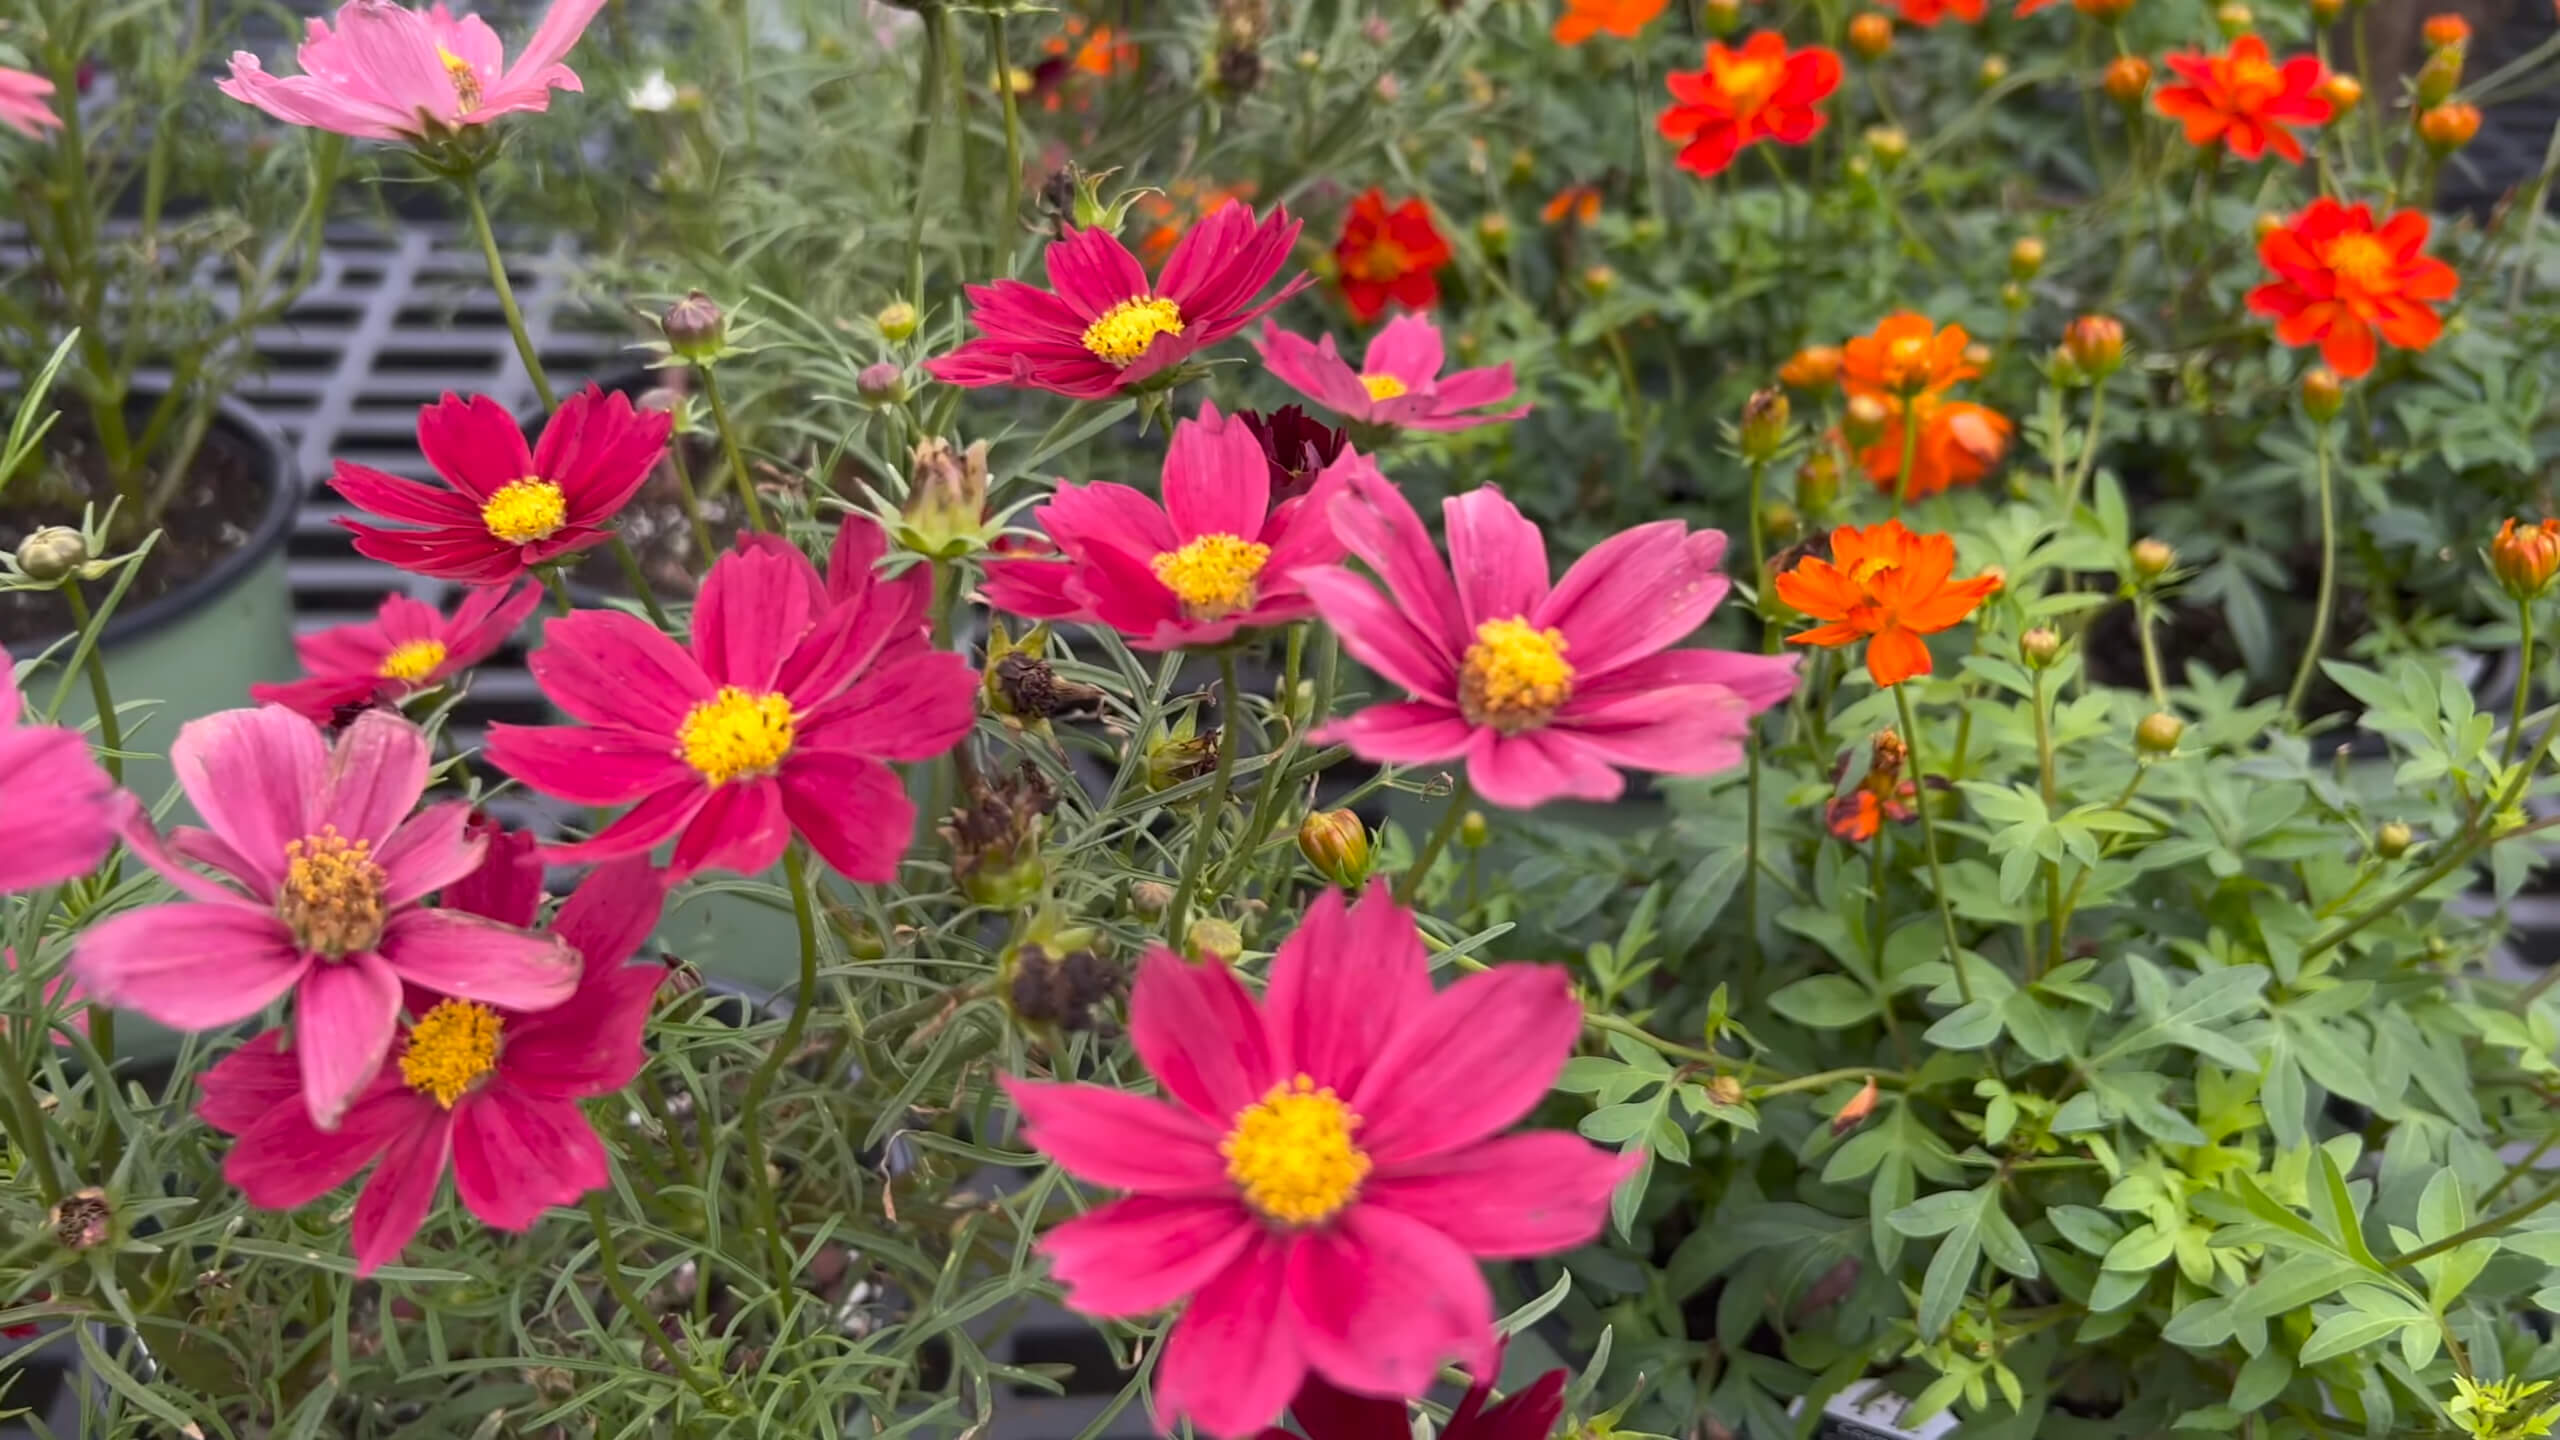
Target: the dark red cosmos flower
pixel 1298 446
pixel 1326 1413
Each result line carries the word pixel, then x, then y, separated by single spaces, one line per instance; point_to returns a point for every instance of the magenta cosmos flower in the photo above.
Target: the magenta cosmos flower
pixel 331 869
pixel 47 771
pixel 509 508
pixel 1217 557
pixel 489 1093
pixel 407 647
pixel 1108 327
pixel 1398 382
pixel 1325 1169
pixel 22 102
pixel 392 73
pixel 1542 691
pixel 777 720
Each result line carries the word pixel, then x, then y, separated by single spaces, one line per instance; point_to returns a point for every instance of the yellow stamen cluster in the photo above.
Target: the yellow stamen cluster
pixel 1383 387
pixel 737 733
pixel 1124 331
pixel 524 511
pixel 1213 575
pixel 1291 1153
pixel 2360 259
pixel 450 1048
pixel 332 894
pixel 466 80
pixel 1515 676
pixel 412 662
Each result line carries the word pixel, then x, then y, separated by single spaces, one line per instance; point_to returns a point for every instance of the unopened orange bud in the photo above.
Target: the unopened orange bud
pixel 2448 127
pixel 2128 79
pixel 2233 19
pixel 2344 93
pixel 2526 560
pixel 1860 1106
pixel 2026 257
pixel 1814 367
pixel 2326 12
pixel 2323 393
pixel 2094 344
pixel 2447 31
pixel 1870 35
pixel 1864 421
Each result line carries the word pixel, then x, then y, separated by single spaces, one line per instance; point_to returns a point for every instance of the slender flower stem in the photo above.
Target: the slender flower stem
pixel 729 446
pixel 795 869
pixel 2144 612
pixel 110 730
pixel 1929 840
pixel 25 1120
pixel 704 549
pixel 2328 581
pixel 1213 805
pixel 507 293
pixel 1751 735
pixel 2493 1225
pixel 558 584
pixel 638 580
pixel 2051 791
pixel 1910 452
pixel 1006 234
pixel 920 154
pixel 609 1260
pixel 1412 879
pixel 2524 682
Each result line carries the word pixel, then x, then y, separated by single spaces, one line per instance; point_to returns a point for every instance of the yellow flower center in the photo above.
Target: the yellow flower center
pixel 1126 330
pixel 1865 571
pixel 524 511
pixel 413 662
pixel 1385 261
pixel 450 1048
pixel 2360 260
pixel 332 895
pixel 1291 1153
pixel 736 733
pixel 466 80
pixel 1382 387
pixel 1748 84
pixel 1213 575
pixel 1515 676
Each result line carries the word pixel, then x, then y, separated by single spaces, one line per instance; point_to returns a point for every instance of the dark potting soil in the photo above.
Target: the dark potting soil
pixel 215 512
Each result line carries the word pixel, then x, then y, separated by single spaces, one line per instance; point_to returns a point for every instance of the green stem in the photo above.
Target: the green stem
pixel 110 730
pixel 1910 451
pixel 2522 1167
pixel 26 1120
pixel 1012 211
pixel 1411 881
pixel 919 154
pixel 1751 736
pixel 1213 805
pixel 2142 618
pixel 638 580
pixel 558 583
pixel 795 869
pixel 506 292
pixel 2493 1225
pixel 729 446
pixel 2328 581
pixel 1929 841
pixel 609 1260
pixel 2052 868
pixel 2524 682
pixel 705 550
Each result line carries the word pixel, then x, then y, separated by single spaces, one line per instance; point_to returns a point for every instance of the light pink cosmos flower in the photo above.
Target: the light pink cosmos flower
pixel 491 1094
pixel 1542 691
pixel 407 647
pixel 778 719
pixel 1217 557
pixel 392 73
pixel 22 102
pixel 1326 1167
pixel 1398 382
pixel 331 869
pixel 61 802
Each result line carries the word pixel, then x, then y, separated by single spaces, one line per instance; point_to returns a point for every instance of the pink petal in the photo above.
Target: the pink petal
pixel 1198 1032
pixel 561 27
pixel 258 778
pixel 588 765
pixel 346 1013
pixel 753 608
pixel 407 501
pixel 1091 271
pixel 1497 555
pixel 473 443
pixel 1383 1300
pixel 641 828
pixel 1407 347
pixel 852 811
pixel 1379 525
pixel 608 668
pixel 184 844
pixel 1511 1197
pixel 740 828
pixel 1524 771
pixel 1145 1253
pixel 1411 732
pixel 1475 1059
pixel 588 1044
pixel 49 772
pixel 515 1156
pixel 1216 481
pixel 1342 984
pixel 1689 731
pixel 1233 1359
pixel 429 851
pixel 1759 680
pixel 244 1085
pixel 1635 593
pixel 284 1162
pixel 1469 389
pixel 1115 517
pixel 1113 1138
pixel 611 913
pixel 376 774
pixel 403 1189
pixel 605 455
pixel 474 959
pixel 914 708
pixel 1380 633
pixel 1313 370
pixel 191 965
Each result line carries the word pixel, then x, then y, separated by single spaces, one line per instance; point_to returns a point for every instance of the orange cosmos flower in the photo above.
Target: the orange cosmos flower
pixel 2245 100
pixel 1959 443
pixel 1389 254
pixel 1583 19
pixel 1761 91
pixel 1884 794
pixel 2340 281
pixel 1905 355
pixel 1925 13
pixel 1888 587
pixel 1580 202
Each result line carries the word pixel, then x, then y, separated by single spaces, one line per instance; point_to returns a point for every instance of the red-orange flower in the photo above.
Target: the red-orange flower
pixel 1625 19
pixel 1925 13
pixel 1888 587
pixel 1761 91
pixel 1959 443
pixel 1905 355
pixel 2340 281
pixel 1884 793
pixel 1389 254
pixel 1581 202
pixel 2245 100
pixel 1078 51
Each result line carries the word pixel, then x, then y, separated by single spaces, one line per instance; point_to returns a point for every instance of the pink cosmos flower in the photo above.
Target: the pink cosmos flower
pixel 1397 384
pixel 1108 327
pixel 510 509
pixel 392 73
pixel 1325 1170
pixel 63 993
pixel 331 869
pixel 1542 691
pixel 777 720
pixel 47 771
pixel 488 1092
pixel 405 649
pixel 1217 557
pixel 22 102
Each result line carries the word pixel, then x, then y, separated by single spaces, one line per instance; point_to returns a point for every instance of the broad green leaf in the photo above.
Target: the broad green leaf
pixel 1825 1002
pixel 2346 1331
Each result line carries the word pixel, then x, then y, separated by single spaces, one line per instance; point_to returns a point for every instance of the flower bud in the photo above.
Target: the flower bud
pixel 1764 425
pixel 1815 367
pixel 1048 986
pixel 1992 70
pixel 897 320
pixel 881 384
pixel 696 327
pixel 2393 840
pixel 2105 12
pixel 1150 897
pixel 2323 393
pixel 1818 481
pixel 2343 92
pixel 1870 35
pixel 1211 939
pixel 84 1220
pixel 1599 280
pixel 2448 127
pixel 1725 1090
pixel 2233 19
pixel 2326 12
pixel 1493 232
pixel 1337 844
pixel 2447 31
pixel 53 552
pixel 2094 346
pixel 1474 830
pixel 1524 165
pixel 2013 296
pixel 1781 521
pixel 1864 420
pixel 1888 144
pixel 2039 647
pixel 2128 79
pixel 2439 78
pixel 2159 733
pixel 995 839
pixel 2152 559
pixel 2526 560
pixel 1723 17
pixel 1860 1106
pixel 1978 355
pixel 2026 257
pixel 946 511
pixel 1998 575
pixel 1176 755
